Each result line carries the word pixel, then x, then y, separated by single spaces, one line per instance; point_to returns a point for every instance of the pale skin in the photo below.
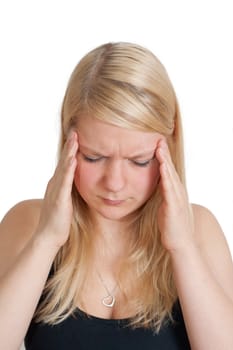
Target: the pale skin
pixel 201 259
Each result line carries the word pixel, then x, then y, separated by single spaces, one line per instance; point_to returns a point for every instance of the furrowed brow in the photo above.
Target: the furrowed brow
pixel 133 156
pixel 142 154
pixel 89 150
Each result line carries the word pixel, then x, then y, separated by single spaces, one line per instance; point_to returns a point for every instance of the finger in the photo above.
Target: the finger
pixel 69 166
pixel 164 155
pixel 67 152
pixel 68 145
pixel 64 173
pixel 170 180
pixel 166 184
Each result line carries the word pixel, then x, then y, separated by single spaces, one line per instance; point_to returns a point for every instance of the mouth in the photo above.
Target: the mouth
pixel 113 202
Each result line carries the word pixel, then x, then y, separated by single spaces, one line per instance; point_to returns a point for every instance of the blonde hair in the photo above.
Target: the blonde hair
pixel 125 85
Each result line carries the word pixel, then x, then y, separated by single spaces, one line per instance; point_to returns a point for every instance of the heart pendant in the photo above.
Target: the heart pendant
pixel 108 301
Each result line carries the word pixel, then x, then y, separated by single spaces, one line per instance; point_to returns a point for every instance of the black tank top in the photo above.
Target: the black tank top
pixel 82 332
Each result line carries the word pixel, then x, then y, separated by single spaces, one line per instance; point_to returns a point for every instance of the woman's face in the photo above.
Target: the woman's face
pixel 117 170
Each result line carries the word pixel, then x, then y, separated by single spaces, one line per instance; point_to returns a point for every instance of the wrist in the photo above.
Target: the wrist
pixel 41 240
pixel 186 250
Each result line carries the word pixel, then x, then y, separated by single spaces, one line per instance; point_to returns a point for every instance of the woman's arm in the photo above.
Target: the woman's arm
pixel 204 280
pixel 32 241
pixel 201 262
pixel 22 282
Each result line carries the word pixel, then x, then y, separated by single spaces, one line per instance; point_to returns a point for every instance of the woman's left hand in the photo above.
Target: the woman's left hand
pixel 175 218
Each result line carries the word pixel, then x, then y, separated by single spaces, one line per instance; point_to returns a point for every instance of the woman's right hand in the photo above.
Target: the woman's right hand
pixel 57 208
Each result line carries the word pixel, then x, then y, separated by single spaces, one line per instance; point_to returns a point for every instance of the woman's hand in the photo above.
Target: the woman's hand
pixel 175 219
pixel 57 209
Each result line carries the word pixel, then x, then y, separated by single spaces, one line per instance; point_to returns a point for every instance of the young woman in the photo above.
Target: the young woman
pixel 115 256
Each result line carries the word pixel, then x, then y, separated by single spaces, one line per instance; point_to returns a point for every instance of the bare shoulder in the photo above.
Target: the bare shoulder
pixel 16 228
pixel 23 214
pixel 207 228
pixel 206 224
pixel 203 219
pixel 214 246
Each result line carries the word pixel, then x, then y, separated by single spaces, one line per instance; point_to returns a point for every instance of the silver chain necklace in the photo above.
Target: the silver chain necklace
pixel 109 299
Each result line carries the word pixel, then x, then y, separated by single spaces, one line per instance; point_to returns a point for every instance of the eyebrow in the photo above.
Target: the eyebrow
pixel 134 156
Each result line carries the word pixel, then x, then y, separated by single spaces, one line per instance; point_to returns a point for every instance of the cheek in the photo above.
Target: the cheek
pixel 84 176
pixel 149 179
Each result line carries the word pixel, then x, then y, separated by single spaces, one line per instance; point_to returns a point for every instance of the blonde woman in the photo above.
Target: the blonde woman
pixel 115 256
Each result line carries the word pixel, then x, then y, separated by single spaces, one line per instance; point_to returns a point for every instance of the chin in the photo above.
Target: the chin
pixel 114 215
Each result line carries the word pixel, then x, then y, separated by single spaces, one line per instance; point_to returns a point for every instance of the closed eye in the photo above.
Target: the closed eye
pixel 137 163
pixel 91 159
pixel 142 163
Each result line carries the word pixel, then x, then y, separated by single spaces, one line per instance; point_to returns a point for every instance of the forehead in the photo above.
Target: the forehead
pixel 104 137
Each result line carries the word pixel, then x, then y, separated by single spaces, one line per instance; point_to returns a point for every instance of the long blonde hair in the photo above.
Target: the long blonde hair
pixel 125 85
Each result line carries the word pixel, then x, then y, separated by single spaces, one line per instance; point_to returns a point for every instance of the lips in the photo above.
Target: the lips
pixel 112 201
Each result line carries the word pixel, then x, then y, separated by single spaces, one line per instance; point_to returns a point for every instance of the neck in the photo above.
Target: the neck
pixel 110 241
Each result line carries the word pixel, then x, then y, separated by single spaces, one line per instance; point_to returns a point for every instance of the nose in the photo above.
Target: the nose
pixel 114 176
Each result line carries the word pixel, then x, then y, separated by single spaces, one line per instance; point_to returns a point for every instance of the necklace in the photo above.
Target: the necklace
pixel 109 299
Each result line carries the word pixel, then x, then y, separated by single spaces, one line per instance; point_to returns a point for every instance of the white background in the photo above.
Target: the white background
pixel 41 42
